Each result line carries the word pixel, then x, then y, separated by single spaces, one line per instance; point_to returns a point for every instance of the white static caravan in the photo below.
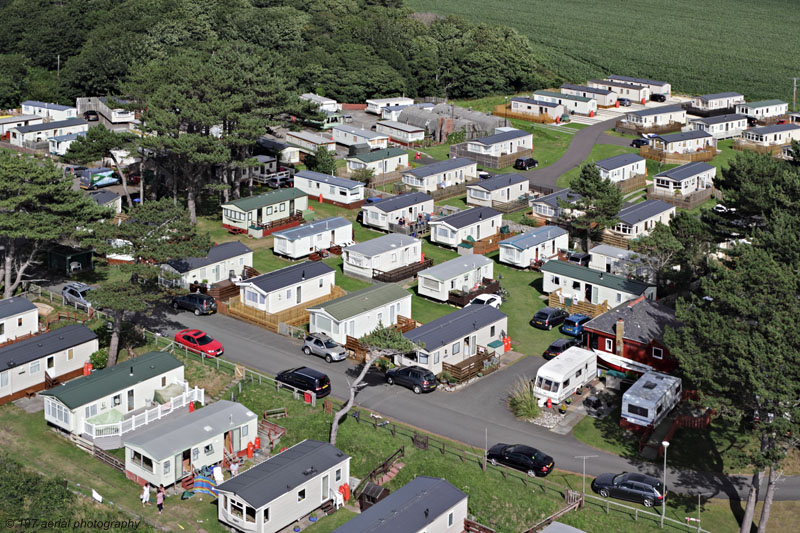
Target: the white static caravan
pixel 376 105
pixel 537 108
pixel 475 222
pixel 36 133
pixel 657 116
pixel 330 188
pixel 764 109
pixel 18 121
pixel 441 174
pixel 386 253
pixel 604 97
pixel 54 112
pixel 713 102
pixel 651 398
pixel 223 261
pixel 572 104
pixel 622 167
pixel 542 243
pixel 502 188
pixel 461 273
pixel 310 142
pixel 720 126
pixel 379 161
pixel 174 448
pixel 350 135
pixel 18 318
pixel 684 142
pixel 400 133
pixel 287 287
pixel 780 134
pixel 633 91
pixel 323 104
pixel 558 378
pixel 655 86
pixel 408 205
pixel 303 240
pixel 686 179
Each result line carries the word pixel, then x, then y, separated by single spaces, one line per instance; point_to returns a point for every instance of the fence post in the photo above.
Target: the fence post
pixel 217 364
pixel 606 506
pixel 240 387
pixel 443 450
pixel 394 429
pixel 636 516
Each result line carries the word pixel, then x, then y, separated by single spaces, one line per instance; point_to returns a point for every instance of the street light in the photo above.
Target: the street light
pixel 584 457
pixel 505 111
pixel 665 444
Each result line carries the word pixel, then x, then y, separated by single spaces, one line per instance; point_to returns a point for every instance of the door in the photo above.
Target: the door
pixel 352 328
pixel 326 481
pixel 467 347
pixel 478 233
pixel 130 400
pixel 50 362
pixel 587 293
pixel 595 291
pixel 216 273
pixel 299 294
pixel 474 345
pixel 392 314
pixel 178 468
pixel 236 439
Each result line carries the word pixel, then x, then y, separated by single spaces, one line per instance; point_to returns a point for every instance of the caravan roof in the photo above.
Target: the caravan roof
pixel 650 388
pixel 565 363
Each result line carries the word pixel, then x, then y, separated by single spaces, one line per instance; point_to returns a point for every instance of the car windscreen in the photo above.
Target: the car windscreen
pixel 330 343
pixel 570 322
pixel 205 339
pixel 540 314
pixel 539 456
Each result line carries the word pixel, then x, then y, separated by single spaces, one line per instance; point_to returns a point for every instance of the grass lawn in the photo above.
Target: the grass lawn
pixel 326 524
pixel 548 145
pixel 575 125
pixel 458 201
pixel 439 151
pixel 603 151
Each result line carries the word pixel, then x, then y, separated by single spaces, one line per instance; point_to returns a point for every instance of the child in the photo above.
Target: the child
pixel 146 494
pixel 160 498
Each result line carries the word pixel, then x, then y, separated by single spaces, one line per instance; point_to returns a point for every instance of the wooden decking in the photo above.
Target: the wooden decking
pixel 486 245
pixel 470 367
pixel 706 154
pixel 294 316
pixel 399 274
pixel 461 298
pixel 557 300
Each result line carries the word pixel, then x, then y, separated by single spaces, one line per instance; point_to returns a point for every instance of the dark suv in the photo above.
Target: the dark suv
pixel 626 102
pixel 638 143
pixel 634 487
pixel 658 97
pixel 199 304
pixel 307 379
pixel 525 163
pixel 280 182
pixel 559 346
pixel 415 378
pixel 548 318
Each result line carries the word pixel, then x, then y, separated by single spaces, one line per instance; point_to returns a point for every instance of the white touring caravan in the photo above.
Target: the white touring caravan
pixel 651 398
pixel 558 378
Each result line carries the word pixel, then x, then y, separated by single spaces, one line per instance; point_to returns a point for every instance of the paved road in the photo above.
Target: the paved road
pixel 465 416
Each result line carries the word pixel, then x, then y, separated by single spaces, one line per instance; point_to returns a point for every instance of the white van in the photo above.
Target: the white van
pixel 651 398
pixel 558 378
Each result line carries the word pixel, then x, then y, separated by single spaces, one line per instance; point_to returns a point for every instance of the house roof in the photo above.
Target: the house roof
pixel 401 201
pixel 619 161
pixel 455 267
pixel 684 136
pixel 378 155
pixel 165 440
pixel 661 110
pixel 454 326
pixel 55 107
pixel 777 128
pixel 220 252
pixel 317 98
pixel 390 100
pixel 272 144
pixel 291 275
pixel 534 238
pixel 686 171
pixel 45 344
pixel 595 277
pixel 633 214
pixel 382 244
pixel 763 103
pixel 718 96
pixel 361 301
pixel 283 472
pixel 412 507
pixel 327 178
pixel 19 118
pixel 468 217
pixel 256 202
pixel 499 182
pixel 501 137
pixel 68 137
pixel 552 199
pixel 15 306
pixel 439 167
pixel 52 125
pixel 720 119
pixel 308 137
pixel 103 197
pixel 102 383
pixel 307 230
pixel 400 126
pixel 562 95
pixel 614 83
pixel 637 80
pixel 643 320
pixel 650 387
pixel 585 88
pixel 534 101
pixel 352 130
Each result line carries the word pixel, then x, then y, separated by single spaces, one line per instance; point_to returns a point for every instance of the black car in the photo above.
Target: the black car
pixel 91 116
pixel 522 457
pixel 415 378
pixel 658 97
pixel 548 318
pixel 626 102
pixel 638 143
pixel 199 304
pixel 525 163
pixel 307 379
pixel 280 182
pixel 559 346
pixel 634 487
pixel 579 258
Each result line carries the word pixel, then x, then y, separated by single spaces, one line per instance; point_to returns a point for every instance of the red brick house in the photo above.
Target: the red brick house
pixel 632 335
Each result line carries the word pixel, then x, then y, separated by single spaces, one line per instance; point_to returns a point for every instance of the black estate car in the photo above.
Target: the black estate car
pixel 199 304
pixel 415 378
pixel 559 346
pixel 634 487
pixel 307 379
pixel 548 318
pixel 526 458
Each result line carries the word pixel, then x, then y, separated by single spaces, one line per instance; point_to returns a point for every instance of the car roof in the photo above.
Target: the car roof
pixel 578 316
pixel 548 310
pixel 561 342
pixel 77 285
pixel 641 478
pixel 321 336
pixel 524 448
pixel 193 332
pixel 308 371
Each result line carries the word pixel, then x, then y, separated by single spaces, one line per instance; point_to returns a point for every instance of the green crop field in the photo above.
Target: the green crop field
pixel 699 47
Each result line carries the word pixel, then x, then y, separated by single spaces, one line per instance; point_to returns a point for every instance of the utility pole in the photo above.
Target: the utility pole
pixel 58 63
pixel 584 457
pixel 794 94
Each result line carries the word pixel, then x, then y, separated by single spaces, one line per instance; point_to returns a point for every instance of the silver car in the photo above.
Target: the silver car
pixel 75 294
pixel 323 346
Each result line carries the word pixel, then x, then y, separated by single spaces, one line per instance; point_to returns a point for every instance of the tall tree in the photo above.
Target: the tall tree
pixel 321 161
pixel 37 207
pixel 659 250
pixel 598 206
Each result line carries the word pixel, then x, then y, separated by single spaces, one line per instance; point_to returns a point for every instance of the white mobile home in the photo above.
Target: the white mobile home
pixel 537 108
pixel 502 189
pixel 557 379
pixel 329 188
pixel 541 244
pixel 639 219
pixel 400 133
pixel 633 91
pixel 18 318
pixel 376 105
pixel 458 274
pixel 410 206
pixel 59 145
pixel 604 97
pixel 501 143
pixel 285 488
pixel 476 222
pixel 284 152
pixel 223 261
pixel 113 392
pixel 655 86
pixel 17 121
pixel 780 134
pixel 613 260
pixel 379 161
pixel 264 209
pixel 38 133
pixel 720 126
pixel 288 287
pixel 303 240
pixel 686 179
pixel 322 103
pixel 651 399
pixel 170 451
pixel 717 101
pixel 764 109
pixel 310 142
pixel 350 135
pixel 28 365
pixel 658 116
pixel 54 112
pixel 581 284
pixel 572 104
pixel 683 143
pixel 622 167
pixel 549 207
pixel 442 174
pixel 456 336
pixel 360 312
pixel 385 253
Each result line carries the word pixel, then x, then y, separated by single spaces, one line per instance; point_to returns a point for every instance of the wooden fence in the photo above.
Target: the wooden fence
pixel 612 239
pixel 749 146
pixel 512 206
pixel 470 367
pixel 451 191
pixel 637 182
pixel 623 126
pixel 661 156
pixel 557 300
pixel 505 112
pixel 488 244
pixel 293 316
pixel 399 274
pixel 684 201
pixel 470 526
pixel 462 298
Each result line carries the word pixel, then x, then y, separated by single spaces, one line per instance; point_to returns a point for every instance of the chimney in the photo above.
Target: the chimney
pixel 131 371
pixel 427 512
pixel 636 301
pixel 620 331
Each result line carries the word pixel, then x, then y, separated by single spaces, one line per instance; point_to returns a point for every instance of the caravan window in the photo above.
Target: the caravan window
pixel 555 386
pixel 578 373
pixel 636 410
pixel 237 509
pixel 544 384
pixel 659 409
pixel 566 383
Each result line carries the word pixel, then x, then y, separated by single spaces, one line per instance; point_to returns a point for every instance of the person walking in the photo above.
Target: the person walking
pixel 145 494
pixel 160 495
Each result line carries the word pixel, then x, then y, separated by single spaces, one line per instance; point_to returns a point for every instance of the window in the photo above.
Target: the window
pixel 609 345
pixel 166 467
pixel 556 280
pixel 566 383
pixel 116 400
pixel 423 358
pixel 244 431
pixel 659 409
pixel 283 207
pixel 35 367
pixel 142 461
pixel 70 354
pixel 301 495
pixel 164 381
pixel 456 348
pixel 269 210
pixel 195 454
pixel 636 410
pixel 2 328
pixel 491 331
pixel 320 283
pixel 435 357
pixel 394 257
pixel 338 476
pixel 578 373
pixel 252 296
pixel 266 515
pixel 450 519
pixel 619 297
pixel 576 285
pixel 288 294
pixel 19 322
pixel 3 379
pixel 237 509
pixel 90 411
pixel 658 353
pixel 249 514
pixel 208 449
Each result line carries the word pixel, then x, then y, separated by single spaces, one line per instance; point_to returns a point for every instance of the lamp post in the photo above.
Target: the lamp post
pixel 505 111
pixel 665 444
pixel 584 457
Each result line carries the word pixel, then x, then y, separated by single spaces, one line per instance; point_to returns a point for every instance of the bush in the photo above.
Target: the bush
pixel 521 400
pixel 99 359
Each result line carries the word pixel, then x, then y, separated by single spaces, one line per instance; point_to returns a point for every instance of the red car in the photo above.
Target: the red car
pixel 199 342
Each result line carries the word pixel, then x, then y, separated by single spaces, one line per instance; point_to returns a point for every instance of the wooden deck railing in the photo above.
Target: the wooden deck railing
pixel 505 112
pixel 461 298
pixel 379 470
pixel 470 526
pixel 470 367
pixel 557 300
pixel 750 146
pixel 488 244
pixel 268 227
pixel 399 274
pixel 294 316
pixel 705 154
pixel 624 126
pixel 684 201
pixel 512 206
pixel 639 181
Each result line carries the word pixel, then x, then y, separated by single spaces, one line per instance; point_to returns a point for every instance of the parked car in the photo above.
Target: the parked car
pixel 634 487
pixel 638 143
pixel 525 163
pixel 325 347
pixel 558 346
pixel 573 324
pixel 91 116
pixel 492 300
pixel 525 458
pixel 658 97
pixel 579 258
pixel 415 378
pixel 280 182
pixel 199 304
pixel 483 175
pixel 306 379
pixel 548 318
pixel 76 293
pixel 752 122
pixel 719 208
pixel 200 342
pixel 624 101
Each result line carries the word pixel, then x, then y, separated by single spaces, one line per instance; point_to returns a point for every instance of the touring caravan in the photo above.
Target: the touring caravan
pixel 650 399
pixel 558 378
